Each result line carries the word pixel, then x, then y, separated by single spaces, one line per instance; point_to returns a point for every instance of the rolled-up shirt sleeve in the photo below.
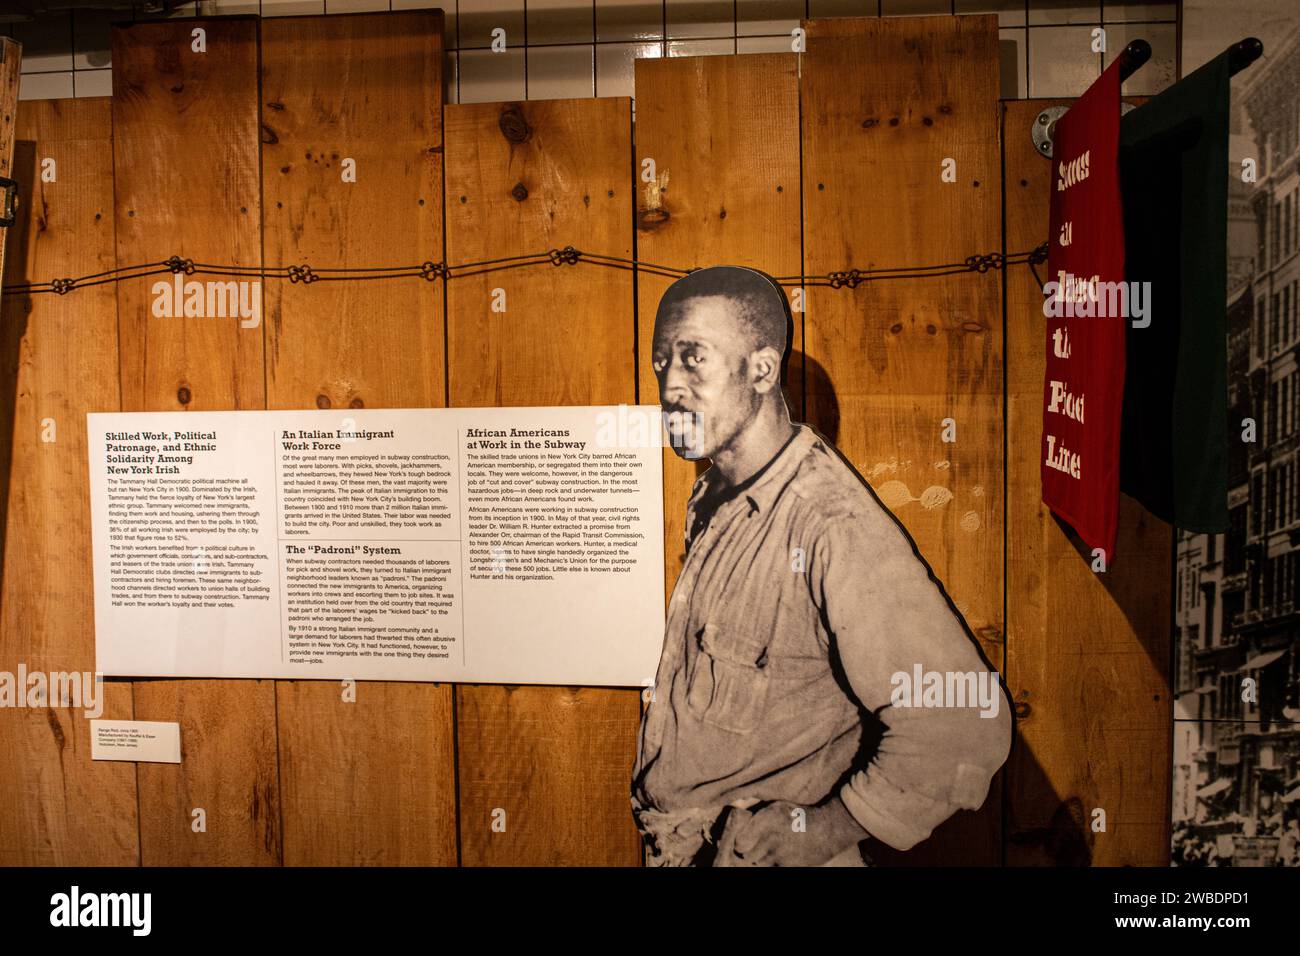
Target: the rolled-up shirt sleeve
pixel 889 622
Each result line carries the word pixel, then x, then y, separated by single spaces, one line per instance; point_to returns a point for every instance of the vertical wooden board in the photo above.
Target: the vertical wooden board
pixel 725 192
pixel 524 178
pixel 11 55
pixel 884 104
pixel 185 148
pixel 60 361
pixel 187 174
pixel 1087 653
pixel 369 782
pixel 368 88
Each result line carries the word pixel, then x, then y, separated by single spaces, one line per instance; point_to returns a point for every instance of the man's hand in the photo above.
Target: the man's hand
pixel 770 837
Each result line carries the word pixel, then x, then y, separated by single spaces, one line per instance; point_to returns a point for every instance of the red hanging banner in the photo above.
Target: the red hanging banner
pixel 1083 386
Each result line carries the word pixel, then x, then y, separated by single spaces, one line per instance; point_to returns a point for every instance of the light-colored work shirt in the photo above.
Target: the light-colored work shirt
pixel 799 604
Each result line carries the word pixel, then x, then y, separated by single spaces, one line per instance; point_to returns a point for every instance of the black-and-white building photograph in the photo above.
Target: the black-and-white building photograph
pixel 1236 780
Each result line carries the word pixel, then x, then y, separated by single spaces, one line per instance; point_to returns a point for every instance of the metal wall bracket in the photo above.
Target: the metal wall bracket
pixel 1045 126
pixel 10 201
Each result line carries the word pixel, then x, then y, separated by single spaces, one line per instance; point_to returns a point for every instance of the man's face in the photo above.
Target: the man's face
pixel 701 359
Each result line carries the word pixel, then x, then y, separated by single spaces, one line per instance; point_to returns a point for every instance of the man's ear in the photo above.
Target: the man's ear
pixel 765 365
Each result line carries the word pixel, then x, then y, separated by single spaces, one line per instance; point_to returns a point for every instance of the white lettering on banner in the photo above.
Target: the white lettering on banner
pixel 1073 172
pixel 1070 288
pixel 1061 458
pixel 1064 403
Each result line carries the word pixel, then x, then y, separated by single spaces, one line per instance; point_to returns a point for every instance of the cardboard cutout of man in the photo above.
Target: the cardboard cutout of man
pixel 816 688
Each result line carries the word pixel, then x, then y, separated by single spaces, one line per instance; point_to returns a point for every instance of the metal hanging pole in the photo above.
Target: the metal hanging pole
pixel 1243 53
pixel 1132 57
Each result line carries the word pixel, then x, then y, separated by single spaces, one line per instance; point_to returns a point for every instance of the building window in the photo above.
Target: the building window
pixel 1295 406
pixel 1257 505
pixel 1283 490
pixel 1271 522
pixel 1288 579
pixel 1270 415
pixel 1284 407
pixel 1256 586
pixel 1288 479
pixel 1286 226
pixel 1210 638
pixel 1259 328
pixel 1261 230
pixel 1274 325
pixel 1286 316
pixel 1295 297
pixel 1276 234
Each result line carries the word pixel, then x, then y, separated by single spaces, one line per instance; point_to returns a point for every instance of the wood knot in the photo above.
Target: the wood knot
pixel 322 401
pixel 651 218
pixel 513 125
pixel 184 395
pixel 520 192
pixel 356 403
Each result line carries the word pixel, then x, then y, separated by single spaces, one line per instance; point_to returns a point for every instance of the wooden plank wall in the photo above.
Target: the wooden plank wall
pixel 59 358
pixel 885 103
pixel 1087 654
pixel 371 781
pixel 185 149
pixel 524 178
pixel 838 167
pixel 699 212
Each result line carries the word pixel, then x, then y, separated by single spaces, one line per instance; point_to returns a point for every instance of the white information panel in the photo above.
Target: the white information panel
pixel 495 545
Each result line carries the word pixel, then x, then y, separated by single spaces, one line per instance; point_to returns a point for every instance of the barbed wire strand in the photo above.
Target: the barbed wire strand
pixel 306 274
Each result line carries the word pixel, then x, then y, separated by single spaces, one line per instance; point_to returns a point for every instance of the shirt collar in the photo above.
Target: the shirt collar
pixel 760 490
